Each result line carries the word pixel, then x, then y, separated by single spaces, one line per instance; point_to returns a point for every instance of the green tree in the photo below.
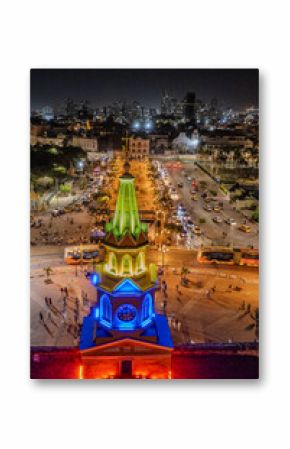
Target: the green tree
pixel 184 272
pixel 48 271
pixel 65 188
pixel 255 215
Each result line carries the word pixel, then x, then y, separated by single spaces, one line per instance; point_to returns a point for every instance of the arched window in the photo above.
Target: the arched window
pixel 140 262
pixel 147 308
pixel 113 263
pixel 127 264
pixel 106 309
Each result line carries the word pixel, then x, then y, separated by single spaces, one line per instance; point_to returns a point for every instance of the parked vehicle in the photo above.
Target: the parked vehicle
pixel 197 230
pixel 245 228
pixel 230 221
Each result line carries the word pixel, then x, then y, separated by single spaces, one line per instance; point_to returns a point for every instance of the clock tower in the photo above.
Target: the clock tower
pixel 123 321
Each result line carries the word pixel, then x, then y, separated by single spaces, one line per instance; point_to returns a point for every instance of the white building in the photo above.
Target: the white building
pixel 85 143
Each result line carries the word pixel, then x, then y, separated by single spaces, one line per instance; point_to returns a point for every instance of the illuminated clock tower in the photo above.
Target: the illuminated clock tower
pixel 123 321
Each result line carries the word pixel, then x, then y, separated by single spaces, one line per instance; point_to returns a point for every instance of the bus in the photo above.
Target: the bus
pixel 248 257
pixel 216 254
pixel 228 256
pixel 74 255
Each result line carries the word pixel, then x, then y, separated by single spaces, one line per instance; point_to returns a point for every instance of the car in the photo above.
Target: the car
pixel 188 178
pixel 194 197
pixel 217 219
pixel 245 228
pixel 197 230
pixel 67 209
pixel 207 207
pixel 230 221
pixel 71 241
pixel 217 209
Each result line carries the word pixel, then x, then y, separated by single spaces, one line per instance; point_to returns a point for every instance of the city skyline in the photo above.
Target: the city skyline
pixel 237 88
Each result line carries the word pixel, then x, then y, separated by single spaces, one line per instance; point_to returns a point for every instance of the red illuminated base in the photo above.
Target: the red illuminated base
pixel 55 363
pixel 127 359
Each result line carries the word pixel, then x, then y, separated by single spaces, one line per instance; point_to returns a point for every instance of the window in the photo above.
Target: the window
pixel 106 309
pixel 147 308
pixel 127 264
pixel 113 263
pixel 140 262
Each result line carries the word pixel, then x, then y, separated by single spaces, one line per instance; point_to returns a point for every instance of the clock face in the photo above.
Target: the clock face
pixel 126 313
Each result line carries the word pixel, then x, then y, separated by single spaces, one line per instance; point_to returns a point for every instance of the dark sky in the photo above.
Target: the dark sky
pixel 232 87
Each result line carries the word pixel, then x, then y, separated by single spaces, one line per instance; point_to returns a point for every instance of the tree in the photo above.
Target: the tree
pixel 184 272
pixel 48 271
pixel 255 318
pixel 255 215
pixel 65 188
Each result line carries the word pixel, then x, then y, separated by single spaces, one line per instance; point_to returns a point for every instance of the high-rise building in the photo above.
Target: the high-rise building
pixel 189 107
pixel 47 113
pixel 123 336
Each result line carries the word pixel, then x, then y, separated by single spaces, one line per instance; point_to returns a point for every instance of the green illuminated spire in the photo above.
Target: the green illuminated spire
pixel 126 219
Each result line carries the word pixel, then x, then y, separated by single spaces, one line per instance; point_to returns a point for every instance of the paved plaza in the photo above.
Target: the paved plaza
pixel 217 305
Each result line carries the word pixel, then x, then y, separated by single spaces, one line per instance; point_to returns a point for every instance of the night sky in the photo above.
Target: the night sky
pixel 235 88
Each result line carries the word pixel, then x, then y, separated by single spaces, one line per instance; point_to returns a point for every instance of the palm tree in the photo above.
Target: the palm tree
pixel 255 318
pixel 184 272
pixel 48 271
pixel 255 325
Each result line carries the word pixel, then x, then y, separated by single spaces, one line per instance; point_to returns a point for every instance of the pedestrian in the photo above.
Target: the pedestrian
pixel 41 317
pixel 63 314
pixel 50 301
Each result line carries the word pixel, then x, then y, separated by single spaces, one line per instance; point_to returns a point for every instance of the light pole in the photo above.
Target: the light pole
pixel 163 249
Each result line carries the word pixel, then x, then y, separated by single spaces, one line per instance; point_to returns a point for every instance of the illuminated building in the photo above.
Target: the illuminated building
pixel 138 148
pixel 123 336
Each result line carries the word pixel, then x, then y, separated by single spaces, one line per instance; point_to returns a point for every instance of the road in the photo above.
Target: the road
pixel 213 232
pixel 53 256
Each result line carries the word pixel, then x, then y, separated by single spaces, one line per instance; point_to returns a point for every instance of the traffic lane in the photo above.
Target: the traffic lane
pixel 196 208
pixel 213 231
pixel 43 261
pixel 229 210
pixel 178 258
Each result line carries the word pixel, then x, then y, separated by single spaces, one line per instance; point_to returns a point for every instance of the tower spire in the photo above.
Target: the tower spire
pixel 126 217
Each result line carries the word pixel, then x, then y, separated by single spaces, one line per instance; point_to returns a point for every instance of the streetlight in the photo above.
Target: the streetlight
pixel 81 164
pixel 163 249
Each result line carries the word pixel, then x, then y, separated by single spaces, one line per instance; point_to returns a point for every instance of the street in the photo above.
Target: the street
pixel 212 232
